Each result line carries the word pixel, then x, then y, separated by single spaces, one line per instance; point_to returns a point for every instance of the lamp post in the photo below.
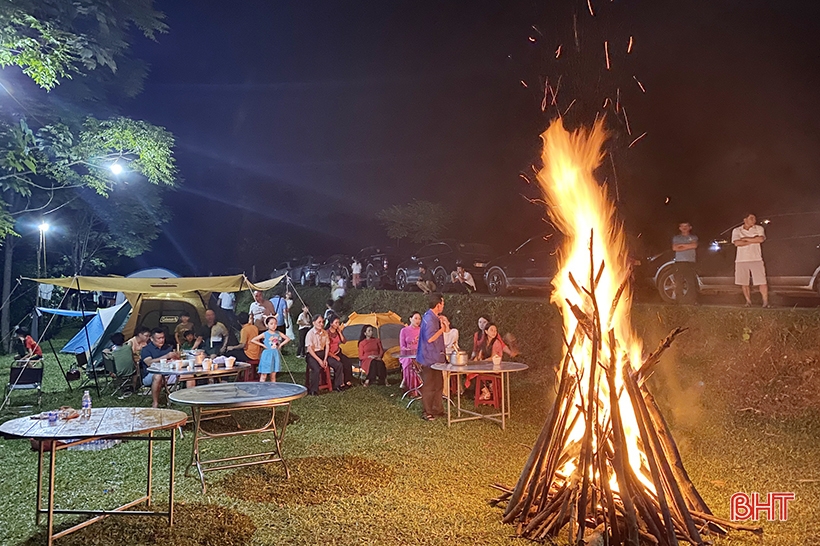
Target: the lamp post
pixel 41 253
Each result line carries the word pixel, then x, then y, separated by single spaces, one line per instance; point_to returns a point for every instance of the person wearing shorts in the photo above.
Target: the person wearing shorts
pixel 749 259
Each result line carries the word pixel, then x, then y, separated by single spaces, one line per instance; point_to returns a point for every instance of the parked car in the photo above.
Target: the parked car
pixel 283 268
pixel 440 259
pixel 338 264
pixel 791 253
pixel 378 266
pixel 304 271
pixel 531 265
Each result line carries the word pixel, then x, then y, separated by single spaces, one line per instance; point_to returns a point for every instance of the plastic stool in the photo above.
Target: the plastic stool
pixel 495 390
pixel 324 380
pixel 250 373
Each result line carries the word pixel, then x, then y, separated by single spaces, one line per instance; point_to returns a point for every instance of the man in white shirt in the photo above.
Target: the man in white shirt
pixel 227 302
pixel 356 270
pixel 260 308
pixel 461 280
pixel 749 259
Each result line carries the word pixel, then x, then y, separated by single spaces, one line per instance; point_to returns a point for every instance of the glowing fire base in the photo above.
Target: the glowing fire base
pixel 605 469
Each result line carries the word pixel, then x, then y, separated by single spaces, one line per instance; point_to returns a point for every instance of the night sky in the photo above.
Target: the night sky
pixel 297 121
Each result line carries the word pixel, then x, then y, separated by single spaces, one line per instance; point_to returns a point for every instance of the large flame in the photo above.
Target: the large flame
pixel 580 209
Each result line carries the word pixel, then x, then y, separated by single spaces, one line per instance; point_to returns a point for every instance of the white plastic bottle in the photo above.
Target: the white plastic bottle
pixel 86 405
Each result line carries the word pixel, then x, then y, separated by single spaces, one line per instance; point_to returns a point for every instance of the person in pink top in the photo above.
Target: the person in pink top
pixel 408 343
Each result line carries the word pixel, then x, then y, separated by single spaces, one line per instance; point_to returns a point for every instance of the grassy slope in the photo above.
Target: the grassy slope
pixel 430 483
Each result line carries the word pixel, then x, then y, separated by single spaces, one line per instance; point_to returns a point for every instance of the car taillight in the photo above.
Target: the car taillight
pixel 479 264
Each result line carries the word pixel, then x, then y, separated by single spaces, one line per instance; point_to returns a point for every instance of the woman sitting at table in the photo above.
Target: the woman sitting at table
pixel 478 337
pixel 492 345
pixel 408 344
pixel 450 339
pixel 370 357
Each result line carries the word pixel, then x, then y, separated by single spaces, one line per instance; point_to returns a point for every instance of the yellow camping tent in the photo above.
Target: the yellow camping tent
pixel 388 326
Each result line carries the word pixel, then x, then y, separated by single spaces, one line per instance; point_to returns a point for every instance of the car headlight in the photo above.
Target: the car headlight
pixel 384 264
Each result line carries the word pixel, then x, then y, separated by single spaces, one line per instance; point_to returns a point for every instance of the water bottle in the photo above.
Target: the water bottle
pixel 86 405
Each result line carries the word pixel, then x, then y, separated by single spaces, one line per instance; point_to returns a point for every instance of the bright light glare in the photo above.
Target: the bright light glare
pixel 116 168
pixel 43 227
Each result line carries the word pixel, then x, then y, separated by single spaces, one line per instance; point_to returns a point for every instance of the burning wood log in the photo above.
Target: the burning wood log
pixel 605 468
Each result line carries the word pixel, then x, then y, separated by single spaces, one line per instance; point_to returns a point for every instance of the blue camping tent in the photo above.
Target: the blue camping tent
pixel 98 331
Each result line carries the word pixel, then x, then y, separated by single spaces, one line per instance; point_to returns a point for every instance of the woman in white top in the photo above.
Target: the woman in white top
pixel 450 339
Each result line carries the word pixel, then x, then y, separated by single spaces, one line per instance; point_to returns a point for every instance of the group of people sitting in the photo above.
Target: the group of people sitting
pixel 264 333
pixel 460 281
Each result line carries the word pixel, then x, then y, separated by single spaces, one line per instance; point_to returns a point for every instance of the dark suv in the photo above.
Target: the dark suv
pixel 378 266
pixel 440 259
pixel 337 265
pixel 304 271
pixel 531 265
pixel 791 254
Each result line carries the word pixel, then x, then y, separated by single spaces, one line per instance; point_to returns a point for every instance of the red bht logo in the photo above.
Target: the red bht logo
pixel 775 507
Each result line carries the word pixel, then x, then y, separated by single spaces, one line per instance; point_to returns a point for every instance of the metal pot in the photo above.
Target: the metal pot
pixel 458 358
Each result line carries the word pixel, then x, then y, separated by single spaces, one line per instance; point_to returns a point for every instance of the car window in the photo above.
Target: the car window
pixel 283 265
pixel 792 226
pixel 430 250
pixel 475 248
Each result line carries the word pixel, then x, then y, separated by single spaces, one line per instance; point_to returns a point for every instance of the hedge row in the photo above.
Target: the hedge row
pixel 755 360
pixel 743 360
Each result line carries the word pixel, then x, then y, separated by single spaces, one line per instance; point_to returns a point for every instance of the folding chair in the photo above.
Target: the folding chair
pixel 25 375
pixel 120 366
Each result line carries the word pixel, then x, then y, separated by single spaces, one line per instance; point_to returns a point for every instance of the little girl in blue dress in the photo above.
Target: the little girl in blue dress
pixel 271 341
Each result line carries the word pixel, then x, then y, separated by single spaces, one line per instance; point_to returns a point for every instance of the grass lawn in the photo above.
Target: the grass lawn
pixel 367 471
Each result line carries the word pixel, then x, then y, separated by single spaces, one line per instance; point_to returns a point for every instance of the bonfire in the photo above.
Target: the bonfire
pixel 605 468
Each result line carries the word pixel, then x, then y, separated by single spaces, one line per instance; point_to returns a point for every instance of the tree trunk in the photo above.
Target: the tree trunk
pixel 5 315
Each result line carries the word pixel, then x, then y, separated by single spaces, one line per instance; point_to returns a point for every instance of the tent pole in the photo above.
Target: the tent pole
pixel 62 370
pixel 87 338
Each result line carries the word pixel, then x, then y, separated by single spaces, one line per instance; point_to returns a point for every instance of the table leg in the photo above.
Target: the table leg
pixel 39 483
pixel 51 466
pixel 458 395
pixel 150 466
pixel 171 481
pixel 503 411
pixel 195 455
pixel 279 437
pixel 507 397
pixel 447 394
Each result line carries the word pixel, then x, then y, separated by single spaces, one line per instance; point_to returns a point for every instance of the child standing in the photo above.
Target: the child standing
pixel 271 341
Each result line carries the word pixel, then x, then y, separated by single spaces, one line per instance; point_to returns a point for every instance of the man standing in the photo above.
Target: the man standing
pixel 280 307
pixel 431 351
pixel 227 302
pixel 260 307
pixel 426 282
pixel 462 280
pixel 213 336
pixel 684 246
pixel 749 259
pixel 356 270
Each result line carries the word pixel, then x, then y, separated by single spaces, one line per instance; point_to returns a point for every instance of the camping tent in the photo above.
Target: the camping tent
pixel 98 331
pixel 388 326
pixel 148 272
pixel 160 301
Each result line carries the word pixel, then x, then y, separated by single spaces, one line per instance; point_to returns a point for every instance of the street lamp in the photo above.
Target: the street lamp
pixel 41 252
pixel 116 168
